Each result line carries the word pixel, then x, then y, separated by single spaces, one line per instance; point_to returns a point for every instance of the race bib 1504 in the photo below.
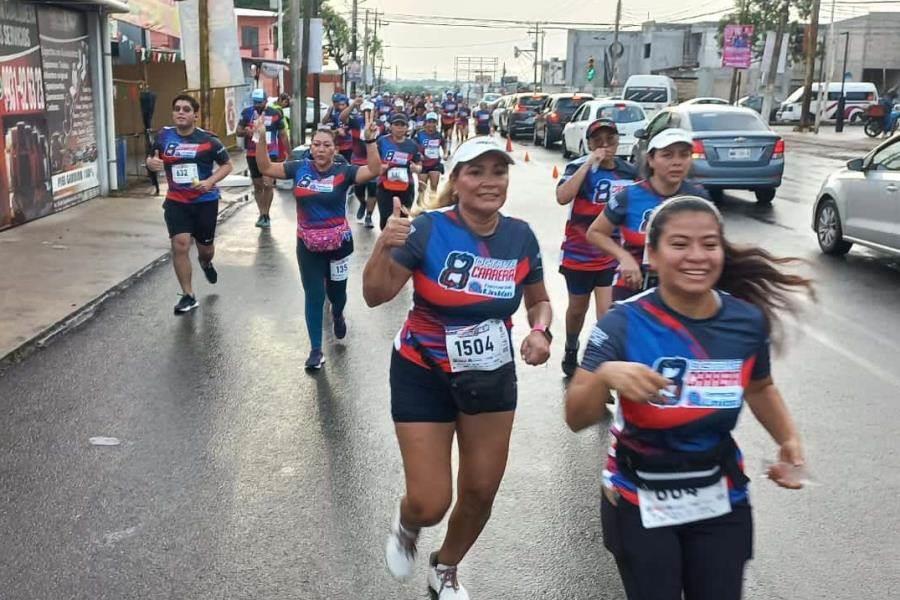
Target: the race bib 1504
pixel 481 347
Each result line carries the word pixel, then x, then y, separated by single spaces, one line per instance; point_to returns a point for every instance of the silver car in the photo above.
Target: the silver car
pixel 860 204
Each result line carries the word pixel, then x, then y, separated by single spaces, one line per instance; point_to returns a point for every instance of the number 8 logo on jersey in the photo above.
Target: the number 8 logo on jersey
pixel 455 275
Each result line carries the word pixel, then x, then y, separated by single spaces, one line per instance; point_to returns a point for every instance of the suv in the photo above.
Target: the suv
pixel 517 116
pixel 556 111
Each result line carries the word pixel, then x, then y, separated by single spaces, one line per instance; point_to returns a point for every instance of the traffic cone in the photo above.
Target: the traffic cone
pixel 508 145
pixel 527 158
pixel 555 172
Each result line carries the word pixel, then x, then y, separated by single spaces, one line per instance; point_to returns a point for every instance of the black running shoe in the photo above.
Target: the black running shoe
pixel 570 361
pixel 209 270
pixel 186 304
pixel 368 222
pixel 316 360
pixel 340 327
pixel 361 213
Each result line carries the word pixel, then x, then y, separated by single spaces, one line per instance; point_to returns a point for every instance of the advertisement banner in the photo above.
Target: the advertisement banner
pixel 737 49
pixel 231 112
pixel 24 150
pixel 70 105
pixel 225 69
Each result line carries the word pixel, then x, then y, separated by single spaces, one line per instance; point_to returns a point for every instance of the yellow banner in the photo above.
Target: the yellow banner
pixel 155 15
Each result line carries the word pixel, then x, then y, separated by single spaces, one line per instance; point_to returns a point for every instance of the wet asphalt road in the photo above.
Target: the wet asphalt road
pixel 240 476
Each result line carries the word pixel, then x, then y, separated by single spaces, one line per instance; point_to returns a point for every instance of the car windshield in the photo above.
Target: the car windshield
pixel 532 101
pixel 646 94
pixel 621 113
pixel 722 121
pixel 567 106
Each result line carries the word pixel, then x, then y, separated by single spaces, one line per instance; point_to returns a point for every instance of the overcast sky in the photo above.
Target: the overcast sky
pixel 420 50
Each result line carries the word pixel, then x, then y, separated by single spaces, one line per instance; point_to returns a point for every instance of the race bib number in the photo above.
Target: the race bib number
pixel 663 508
pixel 185 173
pixel 432 152
pixel 270 138
pixel 481 347
pixel 398 174
pixel 340 269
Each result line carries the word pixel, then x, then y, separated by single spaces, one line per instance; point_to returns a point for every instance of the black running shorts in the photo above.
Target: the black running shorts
pixel 196 218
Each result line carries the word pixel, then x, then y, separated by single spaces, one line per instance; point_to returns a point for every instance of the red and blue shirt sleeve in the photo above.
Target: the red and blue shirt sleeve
pixel 617 208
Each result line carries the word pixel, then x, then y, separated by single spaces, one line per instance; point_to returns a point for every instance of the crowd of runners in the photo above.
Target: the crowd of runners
pixel 685 320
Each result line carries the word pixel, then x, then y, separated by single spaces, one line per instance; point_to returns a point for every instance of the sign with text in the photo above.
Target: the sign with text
pixel 738 46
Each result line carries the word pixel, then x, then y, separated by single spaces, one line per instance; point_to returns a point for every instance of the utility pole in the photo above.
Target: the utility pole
pixel 831 50
pixel 317 82
pixel 354 42
pixel 771 76
pixel 374 39
pixel 365 77
pixel 615 50
pixel 812 43
pixel 543 33
pixel 298 84
pixel 304 69
pixel 203 13
pixel 839 124
pixel 534 52
pixel 280 42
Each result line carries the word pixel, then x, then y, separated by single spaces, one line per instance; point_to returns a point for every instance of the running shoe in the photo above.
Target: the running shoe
pixel 186 304
pixel 361 213
pixel 209 270
pixel 340 327
pixel 261 221
pixel 570 361
pixel 267 222
pixel 368 222
pixel 443 582
pixel 316 360
pixel 400 550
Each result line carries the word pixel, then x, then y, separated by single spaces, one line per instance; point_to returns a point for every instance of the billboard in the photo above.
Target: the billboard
pixel 738 46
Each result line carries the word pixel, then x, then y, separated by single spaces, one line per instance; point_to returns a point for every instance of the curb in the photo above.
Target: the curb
pixel 86 312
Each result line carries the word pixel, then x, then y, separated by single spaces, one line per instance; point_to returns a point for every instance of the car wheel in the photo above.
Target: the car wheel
pixel 581 151
pixel 716 194
pixel 828 229
pixel 534 137
pixel 764 195
pixel 547 142
pixel 565 149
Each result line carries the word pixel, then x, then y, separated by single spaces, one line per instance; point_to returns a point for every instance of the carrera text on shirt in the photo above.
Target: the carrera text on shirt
pixel 189 159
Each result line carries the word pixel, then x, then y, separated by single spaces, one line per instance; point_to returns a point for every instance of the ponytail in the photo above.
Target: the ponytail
pixel 446 197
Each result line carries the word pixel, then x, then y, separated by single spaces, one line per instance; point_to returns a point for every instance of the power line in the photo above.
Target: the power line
pixel 503 42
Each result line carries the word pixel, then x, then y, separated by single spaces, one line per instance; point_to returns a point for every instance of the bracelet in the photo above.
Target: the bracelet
pixel 541 328
pixel 371 141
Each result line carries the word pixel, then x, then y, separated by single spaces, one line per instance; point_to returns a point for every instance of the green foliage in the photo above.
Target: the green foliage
pixel 764 16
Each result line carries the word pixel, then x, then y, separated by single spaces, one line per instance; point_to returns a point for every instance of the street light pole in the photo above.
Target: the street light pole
pixel 839 125
pixel 280 43
pixel 354 43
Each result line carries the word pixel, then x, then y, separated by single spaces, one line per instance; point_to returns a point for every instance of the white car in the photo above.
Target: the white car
pixel 311 121
pixel 708 100
pixel 628 117
pixel 860 203
pixel 490 98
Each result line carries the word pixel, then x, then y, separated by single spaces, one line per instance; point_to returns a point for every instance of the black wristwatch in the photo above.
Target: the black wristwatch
pixel 371 141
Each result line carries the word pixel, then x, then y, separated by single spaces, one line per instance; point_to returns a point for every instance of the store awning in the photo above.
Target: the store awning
pixel 114 6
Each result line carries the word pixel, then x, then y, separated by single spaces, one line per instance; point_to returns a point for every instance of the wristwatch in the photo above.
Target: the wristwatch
pixel 543 329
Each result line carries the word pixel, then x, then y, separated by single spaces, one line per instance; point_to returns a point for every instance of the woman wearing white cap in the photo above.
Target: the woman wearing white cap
pixel 668 165
pixel 453 368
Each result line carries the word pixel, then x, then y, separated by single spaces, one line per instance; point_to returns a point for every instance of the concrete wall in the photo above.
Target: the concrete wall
pixel 874 44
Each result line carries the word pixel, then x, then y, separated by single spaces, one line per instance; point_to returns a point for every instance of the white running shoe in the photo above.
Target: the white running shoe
pixel 442 581
pixel 400 550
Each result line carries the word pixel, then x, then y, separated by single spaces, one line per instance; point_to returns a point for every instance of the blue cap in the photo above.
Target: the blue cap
pixel 340 98
pixel 258 95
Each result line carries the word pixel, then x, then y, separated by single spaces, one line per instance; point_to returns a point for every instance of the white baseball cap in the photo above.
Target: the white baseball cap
pixel 367 106
pixel 667 137
pixel 432 116
pixel 475 147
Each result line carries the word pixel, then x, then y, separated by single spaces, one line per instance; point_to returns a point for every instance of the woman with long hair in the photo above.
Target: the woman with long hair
pixel 324 239
pixel 684 357
pixel 453 367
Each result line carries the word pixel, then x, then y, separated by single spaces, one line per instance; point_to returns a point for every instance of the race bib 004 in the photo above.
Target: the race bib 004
pixel 663 508
pixel 184 173
pixel 481 347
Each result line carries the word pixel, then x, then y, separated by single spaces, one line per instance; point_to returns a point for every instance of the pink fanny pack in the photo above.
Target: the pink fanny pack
pixel 326 239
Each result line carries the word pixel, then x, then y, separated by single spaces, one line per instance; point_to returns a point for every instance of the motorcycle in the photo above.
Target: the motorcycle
pixel 873 122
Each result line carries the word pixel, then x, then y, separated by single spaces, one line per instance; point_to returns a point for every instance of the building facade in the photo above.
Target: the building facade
pixel 873 49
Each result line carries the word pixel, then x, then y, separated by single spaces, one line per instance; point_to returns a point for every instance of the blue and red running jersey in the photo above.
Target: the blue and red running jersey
pixel 274 125
pixel 482 122
pixel 448 112
pixel 430 147
pixel 462 279
pixel 396 158
pixel 599 186
pixel 630 211
pixel 462 115
pixel 189 158
pixel 356 123
pixel 321 197
pixel 343 140
pixel 710 362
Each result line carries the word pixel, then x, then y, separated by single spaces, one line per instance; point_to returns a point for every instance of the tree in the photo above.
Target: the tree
pixel 764 15
pixel 338 42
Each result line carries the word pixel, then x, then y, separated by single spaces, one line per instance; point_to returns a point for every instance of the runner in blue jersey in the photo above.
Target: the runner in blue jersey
pixel 400 157
pixel 482 116
pixel 417 119
pixel 430 143
pixel 588 183
pixel 448 121
pixel 188 156
pixel 324 240
pixel 276 140
pixel 471 266
pixel 354 119
pixel 669 164
pixel 343 139
pixel 683 358
pixel 462 122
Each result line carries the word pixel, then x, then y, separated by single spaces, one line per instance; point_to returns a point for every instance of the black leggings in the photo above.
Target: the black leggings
pixel 315 275
pixel 363 189
pixel 386 202
pixel 705 559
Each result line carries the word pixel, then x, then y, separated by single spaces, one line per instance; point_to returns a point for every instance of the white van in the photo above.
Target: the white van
pixel 652 92
pixel 858 97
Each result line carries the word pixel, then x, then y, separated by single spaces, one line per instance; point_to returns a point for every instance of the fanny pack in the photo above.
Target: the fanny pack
pixel 474 392
pixel 679 470
pixel 325 239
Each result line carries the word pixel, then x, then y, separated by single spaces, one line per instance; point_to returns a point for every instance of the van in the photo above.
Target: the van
pixel 858 97
pixel 652 92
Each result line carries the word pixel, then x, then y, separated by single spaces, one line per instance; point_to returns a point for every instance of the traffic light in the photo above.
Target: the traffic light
pixel 591 72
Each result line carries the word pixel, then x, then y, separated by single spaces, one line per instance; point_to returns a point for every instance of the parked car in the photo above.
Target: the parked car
pixel 517 117
pixel 858 96
pixel 756 103
pixel 860 203
pixel 553 116
pixel 311 121
pixel 628 116
pixel 491 99
pixel 733 148
pixel 498 110
pixel 652 92
pixel 717 101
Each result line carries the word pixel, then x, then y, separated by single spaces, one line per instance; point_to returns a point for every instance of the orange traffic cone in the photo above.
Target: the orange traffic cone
pixel 527 158
pixel 555 172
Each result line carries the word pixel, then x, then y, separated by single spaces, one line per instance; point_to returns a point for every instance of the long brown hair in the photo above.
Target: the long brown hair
pixel 446 197
pixel 749 272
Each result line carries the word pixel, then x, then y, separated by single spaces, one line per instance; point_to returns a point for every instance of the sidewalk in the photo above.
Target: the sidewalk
pixel 852 141
pixel 59 269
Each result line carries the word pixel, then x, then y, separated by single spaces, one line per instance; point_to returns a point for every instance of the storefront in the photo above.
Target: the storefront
pixel 55 87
